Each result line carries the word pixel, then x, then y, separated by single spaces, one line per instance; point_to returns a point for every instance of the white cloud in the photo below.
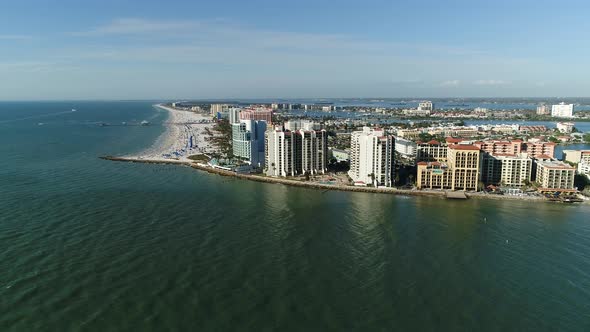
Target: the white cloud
pixel 450 83
pixel 14 37
pixel 491 82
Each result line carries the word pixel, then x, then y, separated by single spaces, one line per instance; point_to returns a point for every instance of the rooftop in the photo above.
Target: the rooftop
pixel 464 147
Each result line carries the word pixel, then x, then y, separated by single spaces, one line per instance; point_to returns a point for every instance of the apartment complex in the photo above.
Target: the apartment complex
pixel 256 114
pixel 555 175
pixel 543 110
pixel 431 151
pixel 577 156
pixel 372 157
pixel 513 170
pixel 248 141
pixel 460 172
pixel 295 152
pixel 533 149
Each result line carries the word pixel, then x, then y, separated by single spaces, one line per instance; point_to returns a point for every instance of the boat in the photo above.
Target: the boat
pixel 74 110
pixel 144 123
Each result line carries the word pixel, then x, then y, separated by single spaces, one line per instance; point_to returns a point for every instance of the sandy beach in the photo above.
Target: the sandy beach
pixel 185 135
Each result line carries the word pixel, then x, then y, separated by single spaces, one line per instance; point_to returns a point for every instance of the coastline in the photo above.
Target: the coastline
pixel 174 143
pixel 174 147
pixel 320 186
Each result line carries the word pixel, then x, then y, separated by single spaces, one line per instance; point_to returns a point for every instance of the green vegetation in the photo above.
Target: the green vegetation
pixel 199 157
pixel 587 138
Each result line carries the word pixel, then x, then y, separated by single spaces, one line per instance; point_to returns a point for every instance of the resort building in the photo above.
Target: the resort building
pixel 555 175
pixel 248 141
pixel 372 158
pixel 295 152
pixel 562 110
pixel 460 172
pixel 506 169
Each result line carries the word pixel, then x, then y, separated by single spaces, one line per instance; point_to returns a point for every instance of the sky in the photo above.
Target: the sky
pixel 123 49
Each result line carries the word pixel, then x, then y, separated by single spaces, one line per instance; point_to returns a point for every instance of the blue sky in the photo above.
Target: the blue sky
pixel 236 49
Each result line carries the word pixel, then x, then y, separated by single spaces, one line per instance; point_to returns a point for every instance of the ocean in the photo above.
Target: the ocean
pixel 93 245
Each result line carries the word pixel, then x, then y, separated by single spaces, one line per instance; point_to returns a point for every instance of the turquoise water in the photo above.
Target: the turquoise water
pixel 92 245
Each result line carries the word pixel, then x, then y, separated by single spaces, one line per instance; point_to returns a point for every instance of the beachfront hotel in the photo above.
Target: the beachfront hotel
pixel 248 141
pixel 218 110
pixel 372 158
pixel 461 171
pixel 303 150
pixel 553 175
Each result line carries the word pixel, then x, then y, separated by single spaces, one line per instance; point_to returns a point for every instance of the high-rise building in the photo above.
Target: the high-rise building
pixel 372 157
pixel 234 115
pixel 426 105
pixel 512 170
pixel 295 152
pixel 562 110
pixel 217 109
pixel 248 141
pixel 555 175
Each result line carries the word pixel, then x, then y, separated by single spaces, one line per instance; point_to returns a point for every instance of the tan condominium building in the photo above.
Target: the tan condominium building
pixel 533 149
pixel 512 170
pixel 460 172
pixel 555 175
pixel 431 151
pixel 577 156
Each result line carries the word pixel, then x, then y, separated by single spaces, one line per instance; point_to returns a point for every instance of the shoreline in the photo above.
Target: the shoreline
pixel 320 186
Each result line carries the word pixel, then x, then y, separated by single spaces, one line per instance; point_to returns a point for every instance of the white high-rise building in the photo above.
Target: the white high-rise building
pixel 371 157
pixel 234 115
pixel 562 110
pixel 405 147
pixel 426 105
pixel 248 141
pixel 295 152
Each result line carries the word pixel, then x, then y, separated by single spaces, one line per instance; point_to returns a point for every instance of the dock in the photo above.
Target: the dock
pixel 456 195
